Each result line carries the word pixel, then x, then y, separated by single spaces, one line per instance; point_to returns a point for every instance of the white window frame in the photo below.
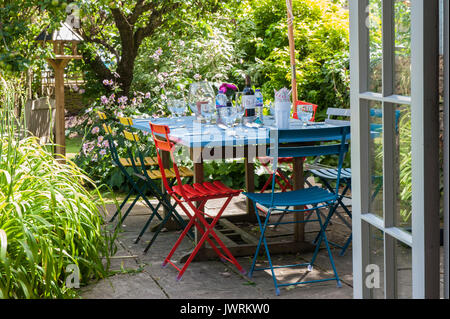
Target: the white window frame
pixel 425 148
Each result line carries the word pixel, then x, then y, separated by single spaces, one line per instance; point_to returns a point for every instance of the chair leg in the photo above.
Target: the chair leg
pixel 170 208
pixel 344 249
pixel 179 240
pixel 255 257
pixel 327 220
pixel 323 237
pixel 268 182
pixel 162 200
pixel 121 206
pixel 231 258
pixel 158 230
pixel 337 204
pixel 262 240
pixel 288 184
pixel 135 190
pixel 330 255
pixel 193 254
pixel 349 214
pixel 128 210
pixel 147 224
pixel 205 237
pixel 277 290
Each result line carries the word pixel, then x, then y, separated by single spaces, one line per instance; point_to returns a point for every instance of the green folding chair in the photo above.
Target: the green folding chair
pixel 150 176
pixel 123 164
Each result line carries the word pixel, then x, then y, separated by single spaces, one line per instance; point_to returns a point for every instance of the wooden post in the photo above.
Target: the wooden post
pixel 60 128
pixel 290 19
pixel 58 39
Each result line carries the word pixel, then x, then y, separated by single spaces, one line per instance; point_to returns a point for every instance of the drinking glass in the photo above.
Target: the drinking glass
pixel 228 114
pixel 305 113
pixel 176 107
pixel 271 107
pixel 240 108
pixel 200 93
pixel 207 111
pixel 180 109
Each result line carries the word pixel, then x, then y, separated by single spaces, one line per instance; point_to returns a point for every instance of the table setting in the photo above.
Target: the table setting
pixel 206 119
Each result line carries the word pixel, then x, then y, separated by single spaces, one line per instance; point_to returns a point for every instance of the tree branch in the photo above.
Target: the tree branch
pixel 155 21
pixel 97 66
pixel 139 9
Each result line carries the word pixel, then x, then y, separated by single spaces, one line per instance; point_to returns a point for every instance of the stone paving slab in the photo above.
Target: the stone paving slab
pixel 141 275
pixel 125 286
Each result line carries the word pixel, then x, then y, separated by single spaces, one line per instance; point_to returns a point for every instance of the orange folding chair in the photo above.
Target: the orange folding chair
pixel 194 197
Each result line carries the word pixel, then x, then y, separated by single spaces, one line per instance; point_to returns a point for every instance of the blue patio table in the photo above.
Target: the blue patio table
pixel 213 142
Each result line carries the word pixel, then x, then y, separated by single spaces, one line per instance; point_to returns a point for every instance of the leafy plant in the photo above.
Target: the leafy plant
pixel 94 156
pixel 48 218
pixel 321 41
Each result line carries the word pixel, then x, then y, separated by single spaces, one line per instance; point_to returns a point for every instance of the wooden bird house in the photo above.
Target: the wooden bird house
pixel 64 41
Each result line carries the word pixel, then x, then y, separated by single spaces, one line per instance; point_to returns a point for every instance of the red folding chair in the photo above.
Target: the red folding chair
pixel 194 197
pixel 283 181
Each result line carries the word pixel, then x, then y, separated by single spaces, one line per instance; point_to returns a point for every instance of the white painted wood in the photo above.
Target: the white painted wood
pixel 395 232
pixel 359 61
pixel 425 126
pixel 378 97
pixel 425 147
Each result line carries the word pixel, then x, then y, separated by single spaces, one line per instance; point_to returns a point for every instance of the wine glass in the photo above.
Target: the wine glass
pixel 207 111
pixel 180 108
pixel 176 107
pixel 271 107
pixel 174 100
pixel 305 113
pixel 200 93
pixel 228 114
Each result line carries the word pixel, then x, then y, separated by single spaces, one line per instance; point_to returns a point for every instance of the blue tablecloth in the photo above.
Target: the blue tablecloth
pixel 186 131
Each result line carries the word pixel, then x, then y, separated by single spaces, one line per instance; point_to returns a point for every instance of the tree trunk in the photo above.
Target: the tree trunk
pixel 131 40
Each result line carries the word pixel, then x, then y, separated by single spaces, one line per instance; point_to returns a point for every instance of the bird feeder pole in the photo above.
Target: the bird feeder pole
pixel 59 39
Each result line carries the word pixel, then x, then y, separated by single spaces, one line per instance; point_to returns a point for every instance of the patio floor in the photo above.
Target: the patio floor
pixel 141 276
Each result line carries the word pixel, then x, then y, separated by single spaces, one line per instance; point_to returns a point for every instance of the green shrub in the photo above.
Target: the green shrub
pixel 321 41
pixel 48 219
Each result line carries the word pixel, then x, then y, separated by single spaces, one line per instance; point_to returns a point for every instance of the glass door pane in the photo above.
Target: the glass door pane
pixel 376 263
pixel 374 23
pixel 402 61
pixel 403 255
pixel 376 159
pixel 403 167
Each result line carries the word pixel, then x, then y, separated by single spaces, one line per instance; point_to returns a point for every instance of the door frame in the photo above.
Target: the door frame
pixel 424 103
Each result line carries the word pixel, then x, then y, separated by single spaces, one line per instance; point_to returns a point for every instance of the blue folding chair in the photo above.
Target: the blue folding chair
pixel 313 196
